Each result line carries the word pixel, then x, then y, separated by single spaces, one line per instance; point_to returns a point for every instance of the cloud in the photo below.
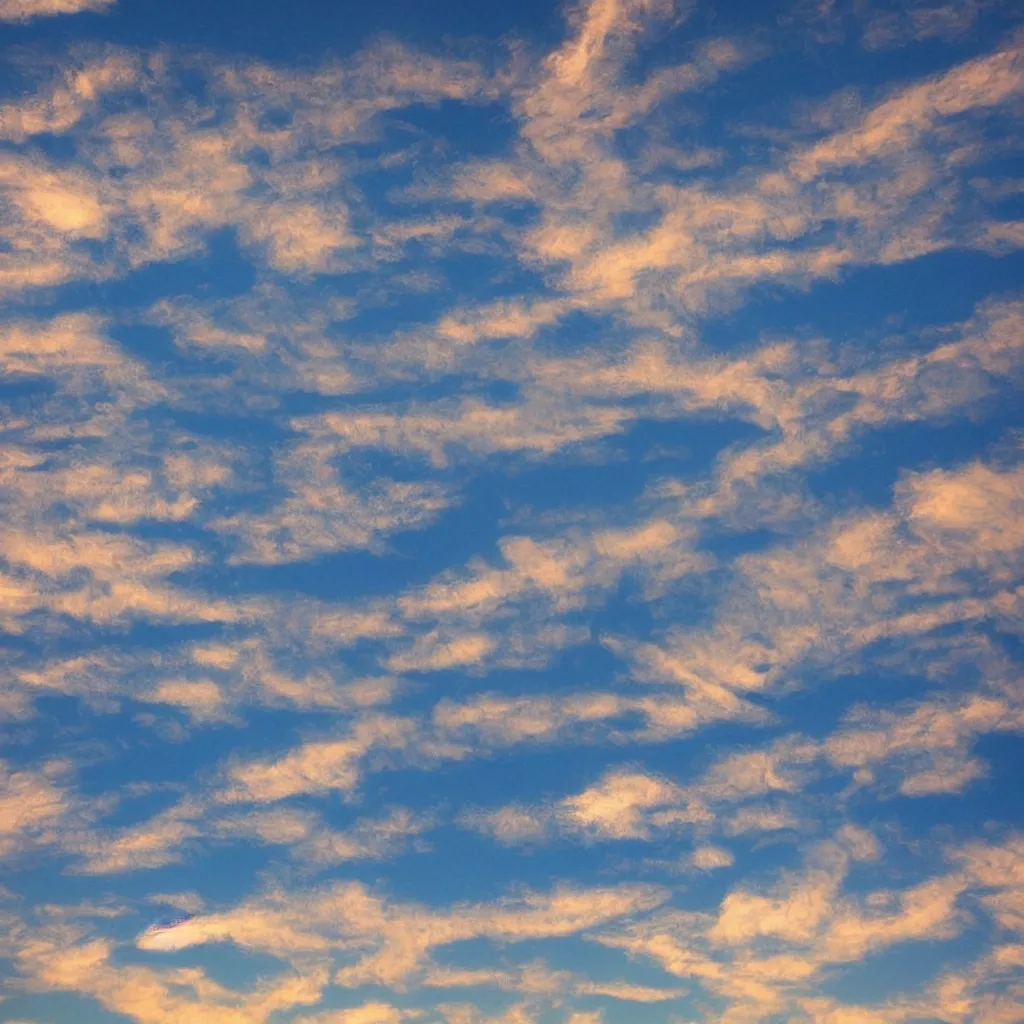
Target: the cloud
pixel 72 349
pixel 492 719
pixel 757 819
pixel 764 951
pixel 202 699
pixel 614 809
pixel 948 22
pixel 793 916
pixel 536 426
pixel 462 1013
pixel 996 868
pixel 898 121
pixel 396 938
pixel 65 959
pixel 927 747
pixel 192 827
pixel 310 840
pixel 103 577
pixel 535 979
pixel 33 808
pixel 982 986
pixel 323 516
pixel 368 1013
pixel 166 181
pixel 78 87
pixel 179 179
pixel 71 478
pixel 698 252
pixel 814 411
pixel 436 651
pixel 927 910
pixel 155 843
pixel 23 10
pixel 626 803
pixel 901 574
pixel 320 766
pixel 710 858
pixel 511 825
pixel 541 581
pixel 560 571
pixel 916 750
pixel 978 508
pixel 475 728
pixel 301 237
pixel 214 682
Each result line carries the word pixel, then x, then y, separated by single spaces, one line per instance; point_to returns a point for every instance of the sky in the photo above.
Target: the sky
pixel 511 513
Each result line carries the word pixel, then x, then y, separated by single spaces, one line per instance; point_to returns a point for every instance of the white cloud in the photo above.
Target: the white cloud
pixel 709 858
pixel 23 10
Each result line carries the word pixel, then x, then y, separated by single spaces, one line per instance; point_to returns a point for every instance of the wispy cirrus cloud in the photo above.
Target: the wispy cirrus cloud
pixel 24 10
pixel 394 951
pixel 762 952
pixel 67 959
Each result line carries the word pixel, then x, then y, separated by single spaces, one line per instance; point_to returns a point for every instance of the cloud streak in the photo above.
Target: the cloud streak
pixel 24 10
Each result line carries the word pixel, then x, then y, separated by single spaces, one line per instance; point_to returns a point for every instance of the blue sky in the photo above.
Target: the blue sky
pixel 512 513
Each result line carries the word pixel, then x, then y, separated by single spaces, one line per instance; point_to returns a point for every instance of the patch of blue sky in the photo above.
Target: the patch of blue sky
pixel 868 474
pixel 871 302
pixel 268 31
pixel 58 1007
